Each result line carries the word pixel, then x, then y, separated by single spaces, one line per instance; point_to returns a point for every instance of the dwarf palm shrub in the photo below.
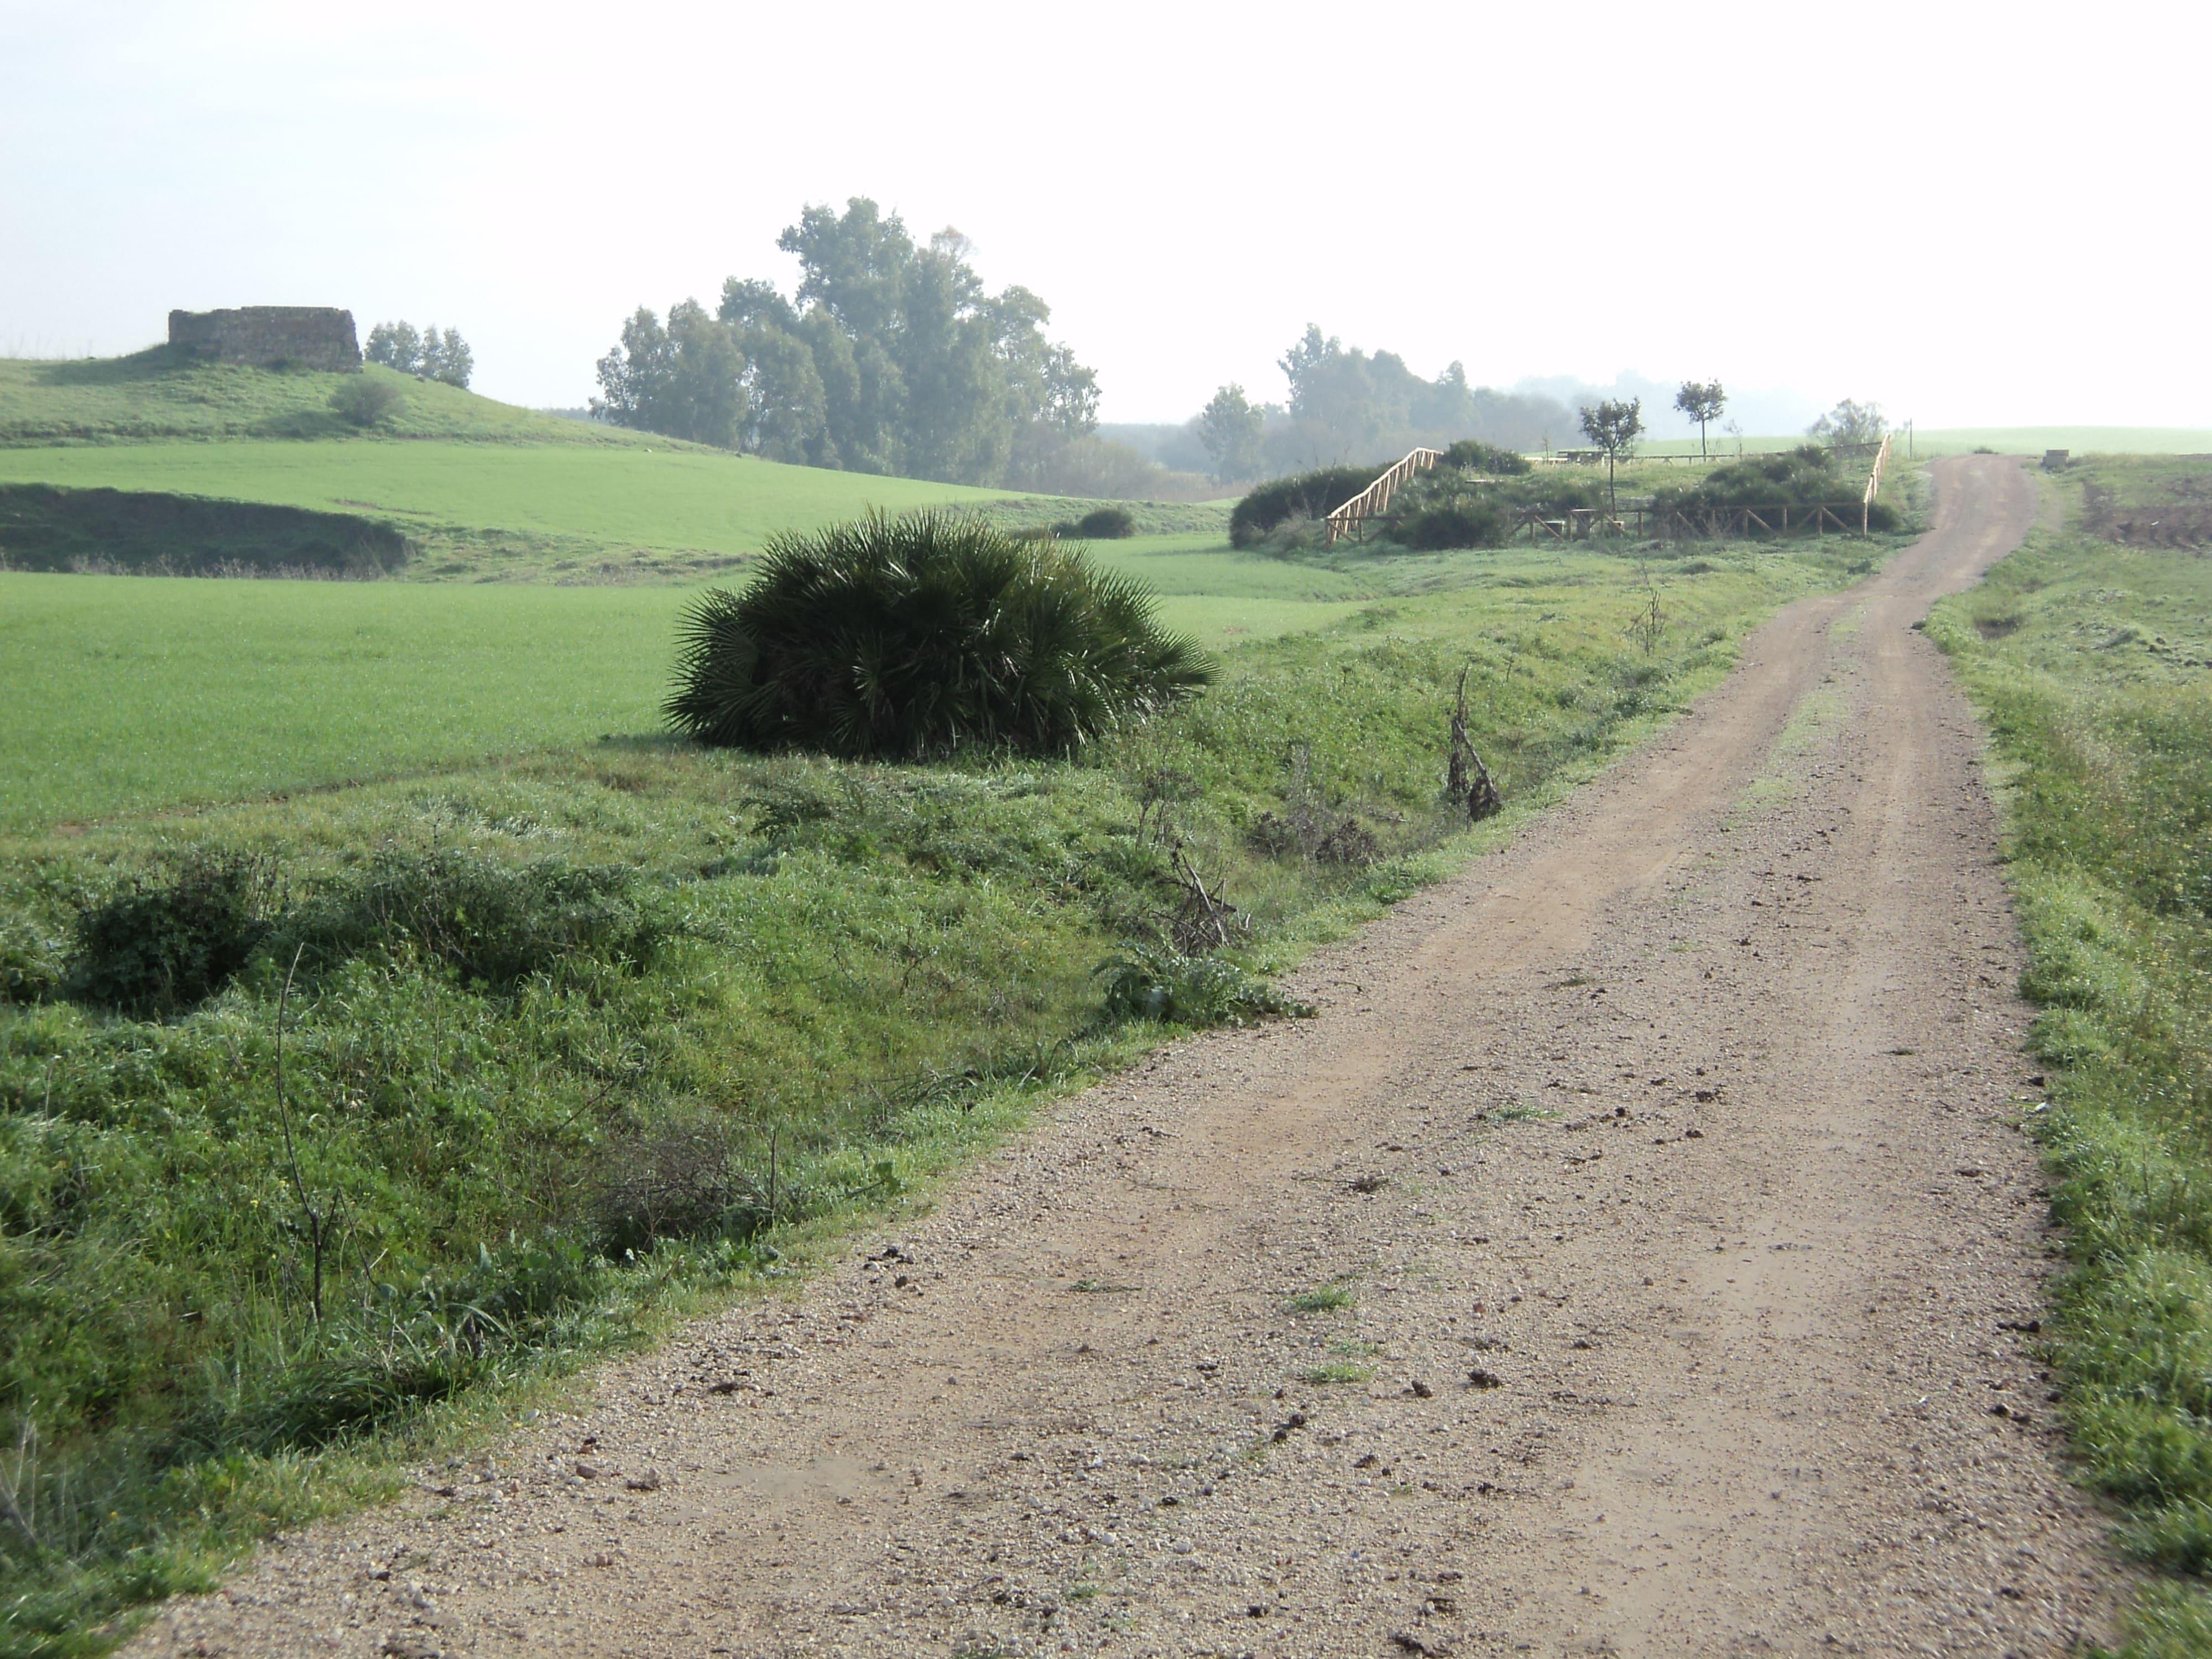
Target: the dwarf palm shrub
pixel 912 636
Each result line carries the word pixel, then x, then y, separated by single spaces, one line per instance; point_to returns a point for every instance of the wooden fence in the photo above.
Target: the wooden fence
pixel 1583 523
pixel 1715 458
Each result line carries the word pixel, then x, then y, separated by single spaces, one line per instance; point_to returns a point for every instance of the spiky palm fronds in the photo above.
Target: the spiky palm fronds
pixel 910 636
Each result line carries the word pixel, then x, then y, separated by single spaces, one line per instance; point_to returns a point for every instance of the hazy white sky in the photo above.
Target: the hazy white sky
pixel 1975 214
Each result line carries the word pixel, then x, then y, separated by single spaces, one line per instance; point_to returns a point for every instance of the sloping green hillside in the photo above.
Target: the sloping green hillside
pixel 557 497
pixel 150 395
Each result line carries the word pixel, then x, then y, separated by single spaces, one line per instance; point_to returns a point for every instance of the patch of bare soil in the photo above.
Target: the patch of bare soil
pixel 1695 1263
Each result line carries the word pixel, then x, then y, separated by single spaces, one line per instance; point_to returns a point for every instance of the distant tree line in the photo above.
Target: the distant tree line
pixel 1345 404
pixel 890 358
pixel 429 355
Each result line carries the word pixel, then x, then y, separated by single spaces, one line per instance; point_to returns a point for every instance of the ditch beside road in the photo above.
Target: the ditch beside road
pixel 1638 1252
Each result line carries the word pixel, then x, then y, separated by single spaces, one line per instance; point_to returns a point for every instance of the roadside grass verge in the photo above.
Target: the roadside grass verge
pixel 579 1041
pixel 2093 665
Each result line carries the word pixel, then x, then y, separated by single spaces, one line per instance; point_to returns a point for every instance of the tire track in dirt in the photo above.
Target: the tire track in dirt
pixel 1688 1123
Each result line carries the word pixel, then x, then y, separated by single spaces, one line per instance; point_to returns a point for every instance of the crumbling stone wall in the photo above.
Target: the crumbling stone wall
pixel 266 337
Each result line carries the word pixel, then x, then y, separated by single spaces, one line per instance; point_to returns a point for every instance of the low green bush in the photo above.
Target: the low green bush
pixel 1158 983
pixel 157 947
pixel 493 923
pixel 914 636
pixel 1468 521
pixel 1304 495
pixel 367 400
pixel 1101 523
pixel 1472 455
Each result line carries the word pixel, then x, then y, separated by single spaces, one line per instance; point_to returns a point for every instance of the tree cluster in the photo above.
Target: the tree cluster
pixel 427 356
pixel 1344 403
pixel 892 358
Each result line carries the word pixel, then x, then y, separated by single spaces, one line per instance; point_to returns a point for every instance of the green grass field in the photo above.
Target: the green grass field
pixel 2092 665
pixel 2080 440
pixel 131 694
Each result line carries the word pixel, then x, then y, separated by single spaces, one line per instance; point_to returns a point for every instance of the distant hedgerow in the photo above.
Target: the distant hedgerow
pixel 913 637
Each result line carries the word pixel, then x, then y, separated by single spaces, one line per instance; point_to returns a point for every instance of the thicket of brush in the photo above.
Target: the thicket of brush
pixel 1805 477
pixel 920 635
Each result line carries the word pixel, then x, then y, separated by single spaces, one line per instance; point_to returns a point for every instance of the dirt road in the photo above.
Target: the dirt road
pixel 1666 1163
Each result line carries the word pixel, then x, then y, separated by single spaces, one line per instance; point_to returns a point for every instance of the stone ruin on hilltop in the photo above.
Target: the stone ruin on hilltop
pixel 269 336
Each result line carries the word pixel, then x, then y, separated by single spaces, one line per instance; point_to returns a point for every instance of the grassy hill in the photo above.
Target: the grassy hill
pixel 151 395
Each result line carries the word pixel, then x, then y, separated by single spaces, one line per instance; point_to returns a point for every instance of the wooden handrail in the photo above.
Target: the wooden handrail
pixel 1873 486
pixel 1377 496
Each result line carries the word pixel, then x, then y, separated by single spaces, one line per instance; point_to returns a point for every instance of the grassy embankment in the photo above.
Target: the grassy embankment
pixel 2092 662
pixel 557 1018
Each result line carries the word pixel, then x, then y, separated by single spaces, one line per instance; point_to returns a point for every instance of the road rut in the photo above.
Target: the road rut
pixel 1666 1163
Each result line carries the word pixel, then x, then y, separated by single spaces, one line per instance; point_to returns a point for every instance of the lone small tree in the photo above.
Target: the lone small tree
pixel 1849 422
pixel 1613 427
pixel 1702 401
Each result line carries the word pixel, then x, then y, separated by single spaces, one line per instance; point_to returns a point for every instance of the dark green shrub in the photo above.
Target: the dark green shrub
pixel 1145 982
pixel 159 947
pixel 32 965
pixel 1104 524
pixel 911 636
pixel 1302 496
pixel 493 923
pixel 1468 521
pixel 1472 455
